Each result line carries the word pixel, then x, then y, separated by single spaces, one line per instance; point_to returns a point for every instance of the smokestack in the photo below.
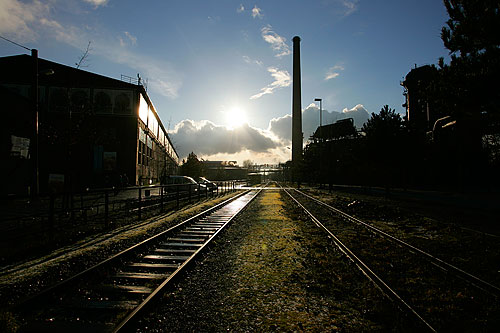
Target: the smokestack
pixel 296 106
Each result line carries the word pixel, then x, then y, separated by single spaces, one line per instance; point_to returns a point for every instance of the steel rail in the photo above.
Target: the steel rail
pixel 160 289
pixel 443 265
pixel 386 290
pixel 122 253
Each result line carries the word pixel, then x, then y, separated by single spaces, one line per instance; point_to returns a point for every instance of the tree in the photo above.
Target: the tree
pixel 473 26
pixel 385 141
pixel 474 43
pixel 192 167
pixel 83 58
pixel 247 164
pixel 383 127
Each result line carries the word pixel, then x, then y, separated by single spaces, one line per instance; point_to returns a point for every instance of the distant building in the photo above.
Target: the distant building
pixel 341 129
pixel 94 131
pixel 223 170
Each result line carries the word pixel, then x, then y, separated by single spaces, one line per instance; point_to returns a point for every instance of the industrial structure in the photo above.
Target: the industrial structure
pixel 84 129
pixel 343 128
pixel 297 135
pixel 420 113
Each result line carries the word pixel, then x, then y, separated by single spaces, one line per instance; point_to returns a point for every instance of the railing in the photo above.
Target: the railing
pixel 74 215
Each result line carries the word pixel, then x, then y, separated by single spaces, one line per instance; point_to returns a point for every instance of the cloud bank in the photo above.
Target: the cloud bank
pixel 215 142
pixel 207 138
pixel 282 127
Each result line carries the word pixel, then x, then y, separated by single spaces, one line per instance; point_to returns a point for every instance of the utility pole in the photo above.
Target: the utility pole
pixel 34 142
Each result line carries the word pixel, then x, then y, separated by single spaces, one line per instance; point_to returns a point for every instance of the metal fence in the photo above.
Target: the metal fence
pixel 78 214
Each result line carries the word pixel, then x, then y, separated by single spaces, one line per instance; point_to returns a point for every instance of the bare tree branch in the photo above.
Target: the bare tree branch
pixel 83 59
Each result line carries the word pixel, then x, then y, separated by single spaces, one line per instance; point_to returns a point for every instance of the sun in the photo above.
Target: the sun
pixel 236 117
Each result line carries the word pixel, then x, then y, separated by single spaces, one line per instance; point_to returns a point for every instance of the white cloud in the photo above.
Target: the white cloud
pixel 215 142
pixel 97 3
pixel 240 9
pixel 206 138
pixel 132 39
pixel 277 42
pixel 248 60
pixel 18 19
pixel 333 72
pixel 24 21
pixel 281 79
pixel 256 12
pixel 350 6
pixel 282 127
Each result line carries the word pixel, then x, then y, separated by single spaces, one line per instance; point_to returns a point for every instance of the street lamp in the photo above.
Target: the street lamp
pixel 320 114
pixel 34 145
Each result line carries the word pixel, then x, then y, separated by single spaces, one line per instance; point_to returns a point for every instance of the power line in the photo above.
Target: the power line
pixel 24 47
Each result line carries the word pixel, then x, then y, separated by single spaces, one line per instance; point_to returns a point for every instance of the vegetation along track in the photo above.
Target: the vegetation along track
pixel 111 294
pixel 440 295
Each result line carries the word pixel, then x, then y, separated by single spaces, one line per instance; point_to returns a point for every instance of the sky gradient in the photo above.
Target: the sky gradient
pixel 219 72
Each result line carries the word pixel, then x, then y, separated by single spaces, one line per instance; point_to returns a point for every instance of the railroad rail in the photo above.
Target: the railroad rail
pixel 110 295
pixel 356 240
pixel 474 280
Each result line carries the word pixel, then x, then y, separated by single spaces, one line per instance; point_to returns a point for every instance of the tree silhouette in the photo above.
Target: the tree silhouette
pixel 192 167
pixel 385 154
pixel 473 26
pixel 383 127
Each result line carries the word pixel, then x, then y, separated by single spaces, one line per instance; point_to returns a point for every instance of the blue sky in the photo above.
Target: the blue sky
pixel 219 72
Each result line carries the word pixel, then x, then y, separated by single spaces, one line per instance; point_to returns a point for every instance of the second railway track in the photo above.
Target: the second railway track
pixel 433 292
pixel 110 295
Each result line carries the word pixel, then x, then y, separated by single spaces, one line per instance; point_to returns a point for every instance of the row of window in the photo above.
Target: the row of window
pixel 145 154
pixel 104 101
pixel 147 115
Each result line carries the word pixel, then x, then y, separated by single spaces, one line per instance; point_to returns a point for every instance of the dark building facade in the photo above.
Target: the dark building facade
pixel 93 131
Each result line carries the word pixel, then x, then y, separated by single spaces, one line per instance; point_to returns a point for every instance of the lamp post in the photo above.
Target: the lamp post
pixel 34 144
pixel 320 114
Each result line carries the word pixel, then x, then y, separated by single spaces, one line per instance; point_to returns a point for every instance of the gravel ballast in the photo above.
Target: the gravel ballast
pixel 272 269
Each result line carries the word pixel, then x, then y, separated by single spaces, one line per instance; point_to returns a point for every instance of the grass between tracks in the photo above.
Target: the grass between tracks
pixel 272 270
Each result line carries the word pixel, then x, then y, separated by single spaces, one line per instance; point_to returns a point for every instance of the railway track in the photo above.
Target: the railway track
pixel 111 295
pixel 434 293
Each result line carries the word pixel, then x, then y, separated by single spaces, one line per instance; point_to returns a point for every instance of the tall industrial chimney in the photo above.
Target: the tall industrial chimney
pixel 296 106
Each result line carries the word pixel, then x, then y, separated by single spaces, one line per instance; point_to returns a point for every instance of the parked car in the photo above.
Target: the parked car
pixel 184 183
pixel 208 183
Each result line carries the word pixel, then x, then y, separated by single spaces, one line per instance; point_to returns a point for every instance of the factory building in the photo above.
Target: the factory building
pixel 93 131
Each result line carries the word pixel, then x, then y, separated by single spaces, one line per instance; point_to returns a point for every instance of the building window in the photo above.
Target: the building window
pixel 102 102
pixel 122 104
pixel 79 100
pixel 58 100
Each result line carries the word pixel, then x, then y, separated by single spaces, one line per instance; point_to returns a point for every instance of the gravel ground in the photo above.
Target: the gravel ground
pixel 453 234
pixel 29 277
pixel 273 270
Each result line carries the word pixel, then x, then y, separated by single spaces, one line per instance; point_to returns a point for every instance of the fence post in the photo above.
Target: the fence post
pixel 51 211
pixel 140 203
pixel 72 205
pixel 161 198
pixel 177 196
pixel 199 188
pixel 106 208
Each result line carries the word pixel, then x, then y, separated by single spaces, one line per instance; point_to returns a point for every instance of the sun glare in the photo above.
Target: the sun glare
pixel 235 117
